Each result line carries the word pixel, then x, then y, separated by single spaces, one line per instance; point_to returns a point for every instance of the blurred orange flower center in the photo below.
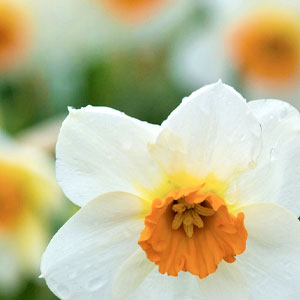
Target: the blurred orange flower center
pixel 133 11
pixel 191 230
pixel 268 46
pixel 14 33
pixel 10 201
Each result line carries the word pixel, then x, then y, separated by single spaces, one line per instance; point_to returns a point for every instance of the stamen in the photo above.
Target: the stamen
pixel 189 215
pixel 197 219
pixel 177 222
pixel 204 211
pixel 180 208
pixel 189 230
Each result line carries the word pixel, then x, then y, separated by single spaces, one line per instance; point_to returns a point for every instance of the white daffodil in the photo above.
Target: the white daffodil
pixel 28 197
pixel 256 41
pixel 204 206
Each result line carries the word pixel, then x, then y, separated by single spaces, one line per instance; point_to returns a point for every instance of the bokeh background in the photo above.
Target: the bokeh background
pixel 138 56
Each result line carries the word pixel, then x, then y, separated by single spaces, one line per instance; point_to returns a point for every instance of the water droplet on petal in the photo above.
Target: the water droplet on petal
pixel 273 154
pixel 72 275
pixel 95 284
pixel 87 266
pixel 181 297
pixel 126 145
pixel 252 164
pixel 185 99
pixel 243 138
pixel 283 113
pixel 63 291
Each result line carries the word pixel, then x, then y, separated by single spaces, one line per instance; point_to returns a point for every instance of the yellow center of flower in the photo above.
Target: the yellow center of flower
pixel 14 33
pixel 134 11
pixel 267 45
pixel 191 230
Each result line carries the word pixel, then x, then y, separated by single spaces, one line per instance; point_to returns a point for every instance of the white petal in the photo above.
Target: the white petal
pixel 218 131
pixel 228 282
pixel 157 287
pixel 131 274
pixel 101 150
pixel 277 175
pixel 169 151
pixel 271 260
pixel 84 256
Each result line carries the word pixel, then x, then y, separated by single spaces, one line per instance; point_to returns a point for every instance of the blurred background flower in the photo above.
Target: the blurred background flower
pixel 29 200
pixel 254 45
pixel 140 57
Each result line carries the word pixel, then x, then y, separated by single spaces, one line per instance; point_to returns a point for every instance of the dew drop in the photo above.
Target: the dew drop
pixel 72 275
pixel 126 145
pixel 234 188
pixel 95 284
pixel 63 291
pixel 273 154
pixel 87 266
pixel 96 223
pixel 180 297
pixel 243 138
pixel 185 99
pixel 283 113
pixel 205 109
pixel 252 164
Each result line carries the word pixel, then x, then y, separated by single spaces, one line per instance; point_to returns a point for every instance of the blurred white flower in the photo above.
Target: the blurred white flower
pixel 44 135
pixel 29 196
pixel 189 195
pixel 254 42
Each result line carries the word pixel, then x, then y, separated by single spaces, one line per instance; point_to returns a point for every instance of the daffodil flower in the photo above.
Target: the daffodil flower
pixel 260 44
pixel 204 206
pixel 28 197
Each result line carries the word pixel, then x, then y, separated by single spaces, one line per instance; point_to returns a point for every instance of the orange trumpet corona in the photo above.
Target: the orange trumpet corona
pixel 191 230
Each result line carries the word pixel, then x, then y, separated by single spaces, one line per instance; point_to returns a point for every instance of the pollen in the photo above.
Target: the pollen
pixel 191 230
